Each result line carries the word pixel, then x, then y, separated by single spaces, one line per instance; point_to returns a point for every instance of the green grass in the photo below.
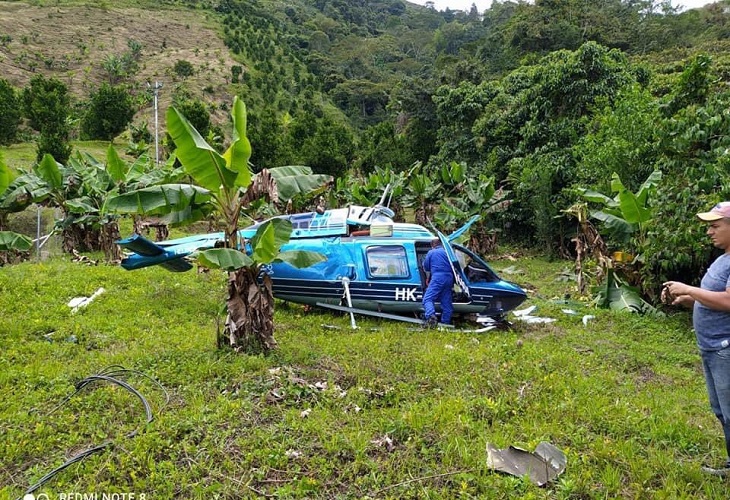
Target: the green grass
pixel 23 155
pixel 385 411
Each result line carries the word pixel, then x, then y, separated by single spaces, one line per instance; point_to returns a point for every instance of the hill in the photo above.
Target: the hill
pixel 95 37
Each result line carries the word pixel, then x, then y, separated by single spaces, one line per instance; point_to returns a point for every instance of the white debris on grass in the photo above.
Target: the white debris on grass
pixel 525 315
pixel 78 302
pixel 587 318
pixel 524 312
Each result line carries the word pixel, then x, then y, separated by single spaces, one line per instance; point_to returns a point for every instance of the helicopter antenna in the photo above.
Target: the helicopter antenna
pixel 382 198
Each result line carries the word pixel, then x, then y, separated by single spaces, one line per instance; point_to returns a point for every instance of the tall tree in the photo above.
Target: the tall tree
pixel 46 104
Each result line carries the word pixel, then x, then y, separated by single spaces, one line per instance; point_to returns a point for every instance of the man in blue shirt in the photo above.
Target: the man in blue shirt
pixel 440 280
pixel 711 318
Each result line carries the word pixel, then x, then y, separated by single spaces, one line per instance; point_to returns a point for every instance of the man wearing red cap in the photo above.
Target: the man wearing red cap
pixel 711 319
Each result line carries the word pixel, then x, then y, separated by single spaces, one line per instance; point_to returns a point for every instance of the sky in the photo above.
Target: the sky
pixel 482 5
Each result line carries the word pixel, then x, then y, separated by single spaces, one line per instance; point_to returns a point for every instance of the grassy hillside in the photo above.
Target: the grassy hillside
pixel 23 155
pixel 386 411
pixel 92 33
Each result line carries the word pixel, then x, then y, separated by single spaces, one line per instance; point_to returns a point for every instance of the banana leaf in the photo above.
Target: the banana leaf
pixel 269 238
pixel 294 180
pixel 158 200
pixel 50 171
pixel 619 228
pixel 615 295
pixel 115 166
pixel 14 241
pixel 4 177
pixel 204 164
pixel 239 152
pixel 227 259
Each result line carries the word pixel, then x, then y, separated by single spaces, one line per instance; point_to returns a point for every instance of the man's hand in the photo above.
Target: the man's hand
pixel 677 293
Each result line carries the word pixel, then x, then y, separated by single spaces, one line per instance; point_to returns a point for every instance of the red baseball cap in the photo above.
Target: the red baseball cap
pixel 719 211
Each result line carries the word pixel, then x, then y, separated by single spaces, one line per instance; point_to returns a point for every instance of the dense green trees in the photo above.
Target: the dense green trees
pixel 9 112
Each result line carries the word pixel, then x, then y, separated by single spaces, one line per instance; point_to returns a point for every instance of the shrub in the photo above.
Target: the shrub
pixel 110 110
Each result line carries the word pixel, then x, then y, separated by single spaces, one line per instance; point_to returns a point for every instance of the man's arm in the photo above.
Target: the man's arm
pixel 684 294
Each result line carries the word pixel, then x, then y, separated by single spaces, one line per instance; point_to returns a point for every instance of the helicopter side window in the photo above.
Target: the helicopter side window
pixel 387 261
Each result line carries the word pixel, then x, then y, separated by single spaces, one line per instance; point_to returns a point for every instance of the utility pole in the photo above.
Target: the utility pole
pixel 156 90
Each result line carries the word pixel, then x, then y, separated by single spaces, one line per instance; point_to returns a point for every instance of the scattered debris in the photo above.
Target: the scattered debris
pixel 525 315
pixel 486 320
pixel 569 311
pixel 541 466
pixel 449 347
pixel 524 312
pixel 293 453
pixel 77 257
pixel 587 318
pixel 384 442
pixel 78 302
pixel 305 413
pixel 352 407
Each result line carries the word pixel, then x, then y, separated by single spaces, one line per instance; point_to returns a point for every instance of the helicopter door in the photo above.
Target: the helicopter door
pixel 459 277
pixel 464 228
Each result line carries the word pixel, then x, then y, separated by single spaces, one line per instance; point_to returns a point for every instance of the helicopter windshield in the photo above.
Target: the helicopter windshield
pixel 476 270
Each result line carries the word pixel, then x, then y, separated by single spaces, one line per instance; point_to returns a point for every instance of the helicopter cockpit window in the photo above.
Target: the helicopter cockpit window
pixel 387 262
pixel 476 270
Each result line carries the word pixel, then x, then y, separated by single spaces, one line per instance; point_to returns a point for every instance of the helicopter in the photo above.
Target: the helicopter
pixel 373 265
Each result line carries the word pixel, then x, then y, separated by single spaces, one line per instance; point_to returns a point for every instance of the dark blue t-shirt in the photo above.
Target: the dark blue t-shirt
pixel 437 262
pixel 712 327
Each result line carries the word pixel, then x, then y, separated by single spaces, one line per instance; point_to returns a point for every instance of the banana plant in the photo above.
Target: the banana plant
pixel 9 240
pixel 368 191
pixel 477 196
pixel 627 215
pixel 221 185
pixel 615 294
pixel 283 189
pixel 51 184
pixel 421 194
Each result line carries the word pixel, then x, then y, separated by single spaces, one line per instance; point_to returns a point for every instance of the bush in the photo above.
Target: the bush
pixel 110 110
pixel 183 68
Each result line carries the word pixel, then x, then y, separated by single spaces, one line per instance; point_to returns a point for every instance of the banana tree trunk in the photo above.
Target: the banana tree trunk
pixel 80 238
pixel 108 237
pixel 249 325
pixel 421 216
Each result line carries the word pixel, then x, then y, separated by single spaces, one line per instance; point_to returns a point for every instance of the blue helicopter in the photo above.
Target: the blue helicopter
pixel 372 267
